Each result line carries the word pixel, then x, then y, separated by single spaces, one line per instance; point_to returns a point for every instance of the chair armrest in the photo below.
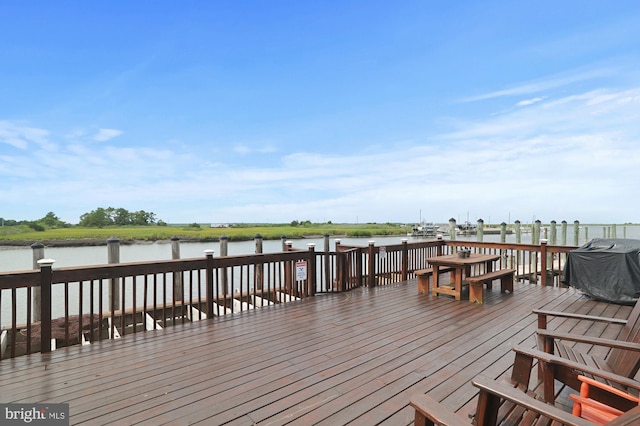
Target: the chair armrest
pixel 428 408
pixel 631 417
pixel 509 393
pixel 611 343
pixel 563 362
pixel 542 312
pixel 591 382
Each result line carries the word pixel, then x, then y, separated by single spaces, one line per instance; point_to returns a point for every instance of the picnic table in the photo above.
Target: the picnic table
pixel 461 267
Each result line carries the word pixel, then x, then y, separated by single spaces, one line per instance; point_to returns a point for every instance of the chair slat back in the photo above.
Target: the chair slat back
pixel 627 363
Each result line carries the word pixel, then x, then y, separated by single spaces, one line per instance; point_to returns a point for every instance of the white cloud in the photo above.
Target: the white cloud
pixel 540 85
pixel 260 149
pixel 527 102
pixel 572 157
pixel 20 136
pixel 241 149
pixel 104 135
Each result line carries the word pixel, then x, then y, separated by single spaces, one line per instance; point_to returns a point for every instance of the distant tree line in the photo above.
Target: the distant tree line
pixel 50 220
pixel 102 217
pixel 97 218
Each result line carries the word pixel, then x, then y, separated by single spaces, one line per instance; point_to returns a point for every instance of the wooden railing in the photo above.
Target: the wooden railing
pixel 529 260
pixel 378 265
pixel 91 303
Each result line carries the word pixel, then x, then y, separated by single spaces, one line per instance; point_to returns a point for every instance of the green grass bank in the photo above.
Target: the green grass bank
pixel 23 235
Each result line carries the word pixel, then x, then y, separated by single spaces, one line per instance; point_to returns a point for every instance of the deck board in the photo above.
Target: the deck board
pixel 354 358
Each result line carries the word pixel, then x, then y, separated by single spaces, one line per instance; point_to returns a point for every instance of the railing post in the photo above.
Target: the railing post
pixel 563 232
pixel 356 256
pixel 36 296
pixel 311 270
pixel 224 278
pixel 289 271
pixel 405 259
pixel 178 291
pixel 113 256
pixel 340 267
pixel 576 232
pixel 372 265
pixel 480 230
pixel 553 240
pixel 327 263
pixel 439 246
pixel 259 269
pixel 452 229
pixel 543 262
pixel 46 274
pixel 209 274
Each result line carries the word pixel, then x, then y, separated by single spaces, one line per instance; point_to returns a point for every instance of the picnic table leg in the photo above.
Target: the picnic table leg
pixel 458 283
pixel 435 279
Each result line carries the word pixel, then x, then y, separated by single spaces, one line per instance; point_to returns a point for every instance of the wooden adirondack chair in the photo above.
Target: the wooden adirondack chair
pixel 561 362
pixel 500 403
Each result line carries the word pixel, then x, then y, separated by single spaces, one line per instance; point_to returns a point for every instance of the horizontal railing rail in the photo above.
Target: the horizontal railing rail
pixel 529 260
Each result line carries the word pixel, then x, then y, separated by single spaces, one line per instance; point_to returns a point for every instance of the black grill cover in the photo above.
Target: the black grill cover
pixel 606 269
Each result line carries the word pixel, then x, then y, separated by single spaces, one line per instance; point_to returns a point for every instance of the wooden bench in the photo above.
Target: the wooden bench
pixel 476 283
pixel 424 278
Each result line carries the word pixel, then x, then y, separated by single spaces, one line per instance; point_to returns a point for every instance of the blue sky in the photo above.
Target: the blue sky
pixel 343 111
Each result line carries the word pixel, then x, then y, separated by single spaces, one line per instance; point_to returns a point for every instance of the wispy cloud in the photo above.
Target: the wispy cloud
pixel 260 149
pixel 565 154
pixel 528 102
pixel 20 136
pixel 104 135
pixel 542 85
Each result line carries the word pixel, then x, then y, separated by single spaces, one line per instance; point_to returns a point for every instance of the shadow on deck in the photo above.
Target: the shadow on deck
pixel 354 358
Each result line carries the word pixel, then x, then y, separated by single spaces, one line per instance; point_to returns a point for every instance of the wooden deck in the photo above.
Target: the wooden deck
pixel 354 358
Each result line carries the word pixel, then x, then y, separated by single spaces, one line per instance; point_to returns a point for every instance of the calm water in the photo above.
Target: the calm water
pixel 20 258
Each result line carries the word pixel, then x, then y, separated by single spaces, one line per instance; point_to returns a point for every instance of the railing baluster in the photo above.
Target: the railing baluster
pixel 66 312
pixel 91 322
pixel 80 311
pixel 100 307
pixel 45 312
pixel 14 321
pixel 29 316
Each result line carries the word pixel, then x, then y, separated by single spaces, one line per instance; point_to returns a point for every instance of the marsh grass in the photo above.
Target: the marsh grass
pixel 202 233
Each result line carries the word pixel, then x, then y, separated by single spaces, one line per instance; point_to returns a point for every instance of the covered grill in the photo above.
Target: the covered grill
pixel 606 269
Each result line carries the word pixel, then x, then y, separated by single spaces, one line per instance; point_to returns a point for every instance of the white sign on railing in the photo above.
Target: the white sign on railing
pixel 301 270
